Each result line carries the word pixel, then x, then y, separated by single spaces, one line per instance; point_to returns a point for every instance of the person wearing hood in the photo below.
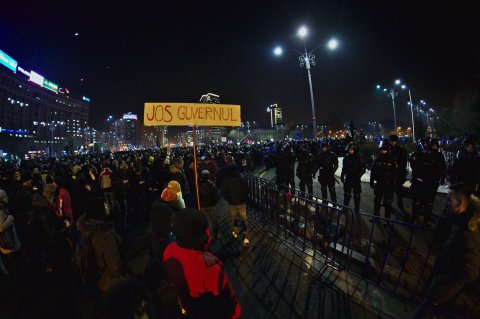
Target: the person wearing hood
pixel 203 287
pixel 104 240
pixel 458 261
pixel 177 173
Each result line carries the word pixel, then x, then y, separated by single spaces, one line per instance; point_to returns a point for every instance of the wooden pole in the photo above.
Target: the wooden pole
pixel 195 163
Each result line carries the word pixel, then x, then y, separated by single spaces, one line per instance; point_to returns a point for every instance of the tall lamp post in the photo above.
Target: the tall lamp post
pixel 391 93
pixel 404 87
pixel 308 59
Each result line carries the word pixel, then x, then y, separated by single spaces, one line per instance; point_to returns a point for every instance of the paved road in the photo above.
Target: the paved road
pixel 366 202
pixel 272 280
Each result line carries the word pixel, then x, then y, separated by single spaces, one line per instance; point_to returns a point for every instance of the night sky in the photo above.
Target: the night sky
pixel 136 53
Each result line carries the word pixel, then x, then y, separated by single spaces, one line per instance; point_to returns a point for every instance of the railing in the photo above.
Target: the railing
pixel 393 255
pixel 321 229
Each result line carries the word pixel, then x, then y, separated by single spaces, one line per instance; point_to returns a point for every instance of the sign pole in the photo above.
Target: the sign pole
pixel 195 163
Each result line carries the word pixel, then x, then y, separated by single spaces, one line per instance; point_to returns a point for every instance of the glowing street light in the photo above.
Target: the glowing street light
pixel 302 32
pixel 332 44
pixel 307 59
pixel 392 94
pixel 404 87
pixel 278 51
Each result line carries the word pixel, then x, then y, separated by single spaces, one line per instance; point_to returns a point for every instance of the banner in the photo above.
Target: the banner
pixel 184 114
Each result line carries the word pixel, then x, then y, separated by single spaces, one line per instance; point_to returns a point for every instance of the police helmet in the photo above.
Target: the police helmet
pixel 352 146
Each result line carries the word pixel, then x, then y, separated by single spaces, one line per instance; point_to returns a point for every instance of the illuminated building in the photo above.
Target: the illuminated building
pixel 212 134
pixel 35 114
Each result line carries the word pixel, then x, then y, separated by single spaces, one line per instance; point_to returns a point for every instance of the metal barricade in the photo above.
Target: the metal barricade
pixel 319 228
pixel 394 255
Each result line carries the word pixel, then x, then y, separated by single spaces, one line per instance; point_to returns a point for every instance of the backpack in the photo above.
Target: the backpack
pixel 86 262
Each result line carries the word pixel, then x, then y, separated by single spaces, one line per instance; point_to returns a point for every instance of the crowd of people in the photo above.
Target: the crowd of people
pixel 70 218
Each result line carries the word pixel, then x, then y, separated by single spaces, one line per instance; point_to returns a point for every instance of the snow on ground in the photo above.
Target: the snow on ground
pixel 366 178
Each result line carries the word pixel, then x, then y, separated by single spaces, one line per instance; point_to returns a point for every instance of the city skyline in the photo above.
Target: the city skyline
pixel 176 54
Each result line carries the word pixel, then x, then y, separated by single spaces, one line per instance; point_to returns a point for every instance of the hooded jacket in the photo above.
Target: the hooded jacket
pixel 458 261
pixel 105 243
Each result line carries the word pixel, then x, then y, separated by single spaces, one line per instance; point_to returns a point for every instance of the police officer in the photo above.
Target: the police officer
pixel 428 171
pixel 306 169
pixel 327 164
pixel 400 157
pixel 353 169
pixel 383 173
pixel 418 164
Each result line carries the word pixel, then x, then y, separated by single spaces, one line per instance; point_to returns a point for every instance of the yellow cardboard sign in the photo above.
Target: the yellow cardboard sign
pixel 184 114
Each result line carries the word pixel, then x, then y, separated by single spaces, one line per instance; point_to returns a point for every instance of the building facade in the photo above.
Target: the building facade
pixel 34 117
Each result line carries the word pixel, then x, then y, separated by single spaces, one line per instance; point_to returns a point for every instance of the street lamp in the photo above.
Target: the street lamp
pixel 391 93
pixel 308 59
pixel 404 87
pixel 301 127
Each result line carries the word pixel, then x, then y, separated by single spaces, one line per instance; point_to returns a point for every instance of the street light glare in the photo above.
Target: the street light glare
pixel 278 51
pixel 332 44
pixel 379 86
pixel 302 32
pixel 397 82
pixel 403 86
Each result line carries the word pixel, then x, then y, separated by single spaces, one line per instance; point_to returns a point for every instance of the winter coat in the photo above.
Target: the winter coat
pixel 6 225
pixel 458 261
pixel 235 189
pixel 353 167
pixel 383 171
pixel 208 193
pixel 306 166
pixel 105 243
pixel 105 179
pixel 399 156
pixel 42 220
pixel 327 164
pixel 203 287
pixel 63 209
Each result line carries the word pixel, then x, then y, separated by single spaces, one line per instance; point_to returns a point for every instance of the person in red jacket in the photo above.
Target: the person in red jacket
pixel 63 203
pixel 203 287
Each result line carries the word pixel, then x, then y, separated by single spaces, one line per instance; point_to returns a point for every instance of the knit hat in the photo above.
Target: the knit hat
pixel 36 171
pixel 175 186
pixel 205 172
pixel 190 229
pixel 166 161
pixel 168 195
